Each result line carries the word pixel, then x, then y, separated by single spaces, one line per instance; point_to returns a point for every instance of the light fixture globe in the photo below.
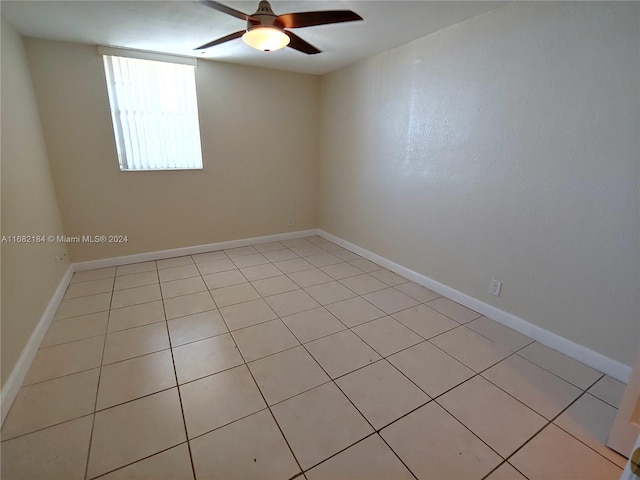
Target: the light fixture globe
pixel 266 38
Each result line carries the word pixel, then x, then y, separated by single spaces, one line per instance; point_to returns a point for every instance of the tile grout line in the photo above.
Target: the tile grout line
pixel 598 398
pixel 396 454
pixel 175 376
pixel 67 343
pixel 95 403
pixel 80 315
pixel 501 464
pixel 44 428
pixel 555 374
pixel 39 382
pixel 138 460
pixel 146 395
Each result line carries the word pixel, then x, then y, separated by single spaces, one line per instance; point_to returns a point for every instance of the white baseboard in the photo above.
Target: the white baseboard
pixel 194 250
pixel 596 360
pixel 14 382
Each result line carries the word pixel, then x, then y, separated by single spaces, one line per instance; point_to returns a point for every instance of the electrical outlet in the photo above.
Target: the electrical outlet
pixel 290 221
pixel 495 287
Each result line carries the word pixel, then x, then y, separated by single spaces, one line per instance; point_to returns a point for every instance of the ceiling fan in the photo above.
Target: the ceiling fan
pixel 267 31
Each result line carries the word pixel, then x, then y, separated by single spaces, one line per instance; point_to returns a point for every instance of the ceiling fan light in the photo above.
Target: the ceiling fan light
pixel 267 39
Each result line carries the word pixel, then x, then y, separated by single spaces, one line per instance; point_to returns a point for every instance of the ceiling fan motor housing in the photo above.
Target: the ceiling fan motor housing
pixel 265 17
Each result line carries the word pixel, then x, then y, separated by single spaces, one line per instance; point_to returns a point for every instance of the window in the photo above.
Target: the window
pixel 154 112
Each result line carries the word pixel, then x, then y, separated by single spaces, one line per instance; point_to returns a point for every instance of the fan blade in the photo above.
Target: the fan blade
pixel 309 19
pixel 299 44
pixel 228 10
pixel 226 38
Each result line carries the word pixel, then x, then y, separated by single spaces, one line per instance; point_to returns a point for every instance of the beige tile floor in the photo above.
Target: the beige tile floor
pixel 296 359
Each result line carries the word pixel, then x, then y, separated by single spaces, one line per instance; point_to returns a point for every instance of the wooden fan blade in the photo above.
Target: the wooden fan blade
pixel 299 44
pixel 231 36
pixel 228 10
pixel 310 19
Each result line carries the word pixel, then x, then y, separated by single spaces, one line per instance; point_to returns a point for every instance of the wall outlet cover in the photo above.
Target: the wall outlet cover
pixel 495 288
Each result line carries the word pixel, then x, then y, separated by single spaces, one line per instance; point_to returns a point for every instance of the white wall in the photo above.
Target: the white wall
pixel 506 146
pixel 259 145
pixel 29 272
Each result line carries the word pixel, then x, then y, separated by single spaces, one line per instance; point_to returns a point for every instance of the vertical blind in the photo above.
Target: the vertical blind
pixel 154 113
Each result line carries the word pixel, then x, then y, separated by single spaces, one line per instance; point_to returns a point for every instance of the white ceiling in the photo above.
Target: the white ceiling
pixel 179 26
